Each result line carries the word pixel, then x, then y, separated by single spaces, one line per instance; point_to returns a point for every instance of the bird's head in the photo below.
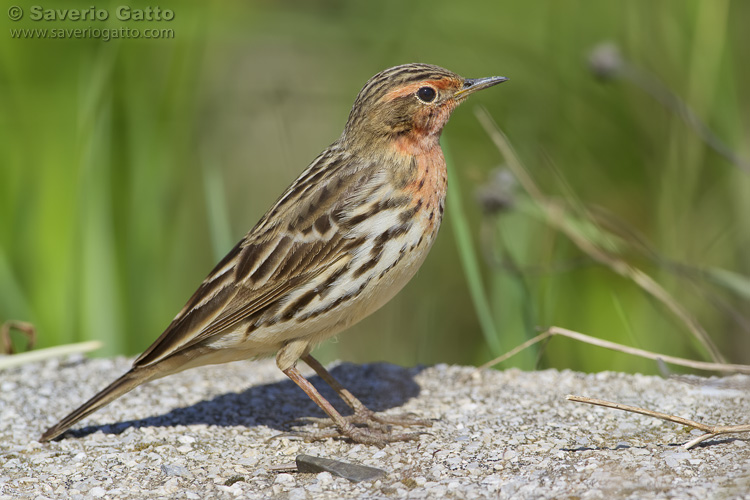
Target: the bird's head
pixel 408 106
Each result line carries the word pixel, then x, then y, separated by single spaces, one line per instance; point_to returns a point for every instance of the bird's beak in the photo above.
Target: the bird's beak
pixel 471 85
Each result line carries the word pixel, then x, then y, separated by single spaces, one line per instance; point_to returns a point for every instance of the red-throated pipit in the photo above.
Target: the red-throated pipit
pixel 342 240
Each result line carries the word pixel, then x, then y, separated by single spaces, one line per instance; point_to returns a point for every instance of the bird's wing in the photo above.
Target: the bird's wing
pixel 300 237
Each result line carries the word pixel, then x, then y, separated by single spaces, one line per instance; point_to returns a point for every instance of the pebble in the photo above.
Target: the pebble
pixel 175 470
pixel 97 492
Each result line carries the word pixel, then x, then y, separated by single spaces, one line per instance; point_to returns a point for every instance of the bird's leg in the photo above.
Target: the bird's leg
pixel 344 427
pixel 362 414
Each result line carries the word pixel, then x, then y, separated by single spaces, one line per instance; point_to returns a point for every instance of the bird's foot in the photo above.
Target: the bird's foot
pixel 401 419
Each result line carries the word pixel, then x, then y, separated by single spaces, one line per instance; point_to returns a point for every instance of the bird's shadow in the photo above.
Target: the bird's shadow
pixel 379 386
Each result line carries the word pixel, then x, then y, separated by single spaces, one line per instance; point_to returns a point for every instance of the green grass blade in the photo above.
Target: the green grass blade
pixel 469 260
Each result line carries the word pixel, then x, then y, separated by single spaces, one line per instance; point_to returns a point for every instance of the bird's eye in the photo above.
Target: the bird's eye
pixel 426 94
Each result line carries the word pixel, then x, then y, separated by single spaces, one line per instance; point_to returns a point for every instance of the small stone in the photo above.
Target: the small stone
pixel 285 479
pixel 352 472
pixel 297 494
pixel 324 478
pixel 175 470
pixel 97 492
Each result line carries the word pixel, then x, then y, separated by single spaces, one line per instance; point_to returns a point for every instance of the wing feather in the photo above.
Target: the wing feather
pixel 298 239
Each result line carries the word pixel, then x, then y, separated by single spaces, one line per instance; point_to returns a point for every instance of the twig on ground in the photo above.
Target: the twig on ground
pixel 710 430
pixel 51 352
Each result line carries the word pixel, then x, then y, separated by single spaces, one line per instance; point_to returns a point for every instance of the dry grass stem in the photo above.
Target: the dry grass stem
pixel 555 330
pixel 52 352
pixel 710 430
pixel 556 216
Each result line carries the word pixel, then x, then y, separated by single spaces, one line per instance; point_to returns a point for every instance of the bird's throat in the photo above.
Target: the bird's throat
pixel 417 142
pixel 424 177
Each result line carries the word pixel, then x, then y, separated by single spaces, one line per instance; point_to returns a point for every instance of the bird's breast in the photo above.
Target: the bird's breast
pixel 429 187
pixel 395 224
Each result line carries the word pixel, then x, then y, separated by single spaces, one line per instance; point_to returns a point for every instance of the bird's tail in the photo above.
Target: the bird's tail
pixel 123 385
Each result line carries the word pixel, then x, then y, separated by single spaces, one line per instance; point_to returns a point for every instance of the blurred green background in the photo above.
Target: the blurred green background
pixel 129 167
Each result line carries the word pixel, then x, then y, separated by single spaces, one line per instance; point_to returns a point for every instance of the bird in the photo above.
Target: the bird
pixel 339 243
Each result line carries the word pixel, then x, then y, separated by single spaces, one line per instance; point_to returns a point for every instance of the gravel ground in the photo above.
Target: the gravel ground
pixel 205 434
